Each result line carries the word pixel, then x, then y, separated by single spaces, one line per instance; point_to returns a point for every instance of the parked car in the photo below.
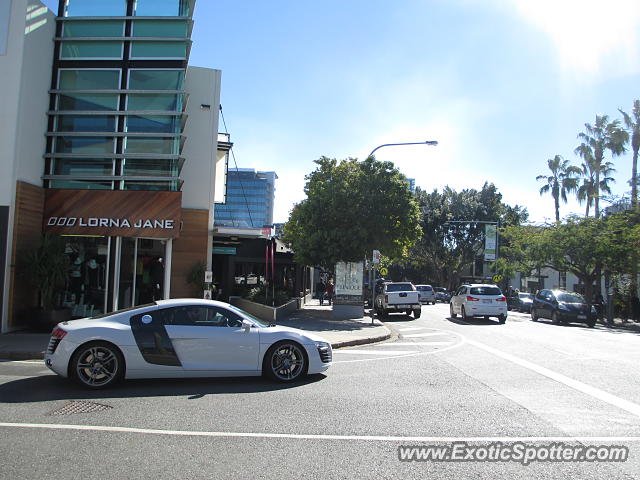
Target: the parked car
pixel 398 297
pixel 181 338
pixel 520 301
pixel 442 295
pixel 478 300
pixel 562 306
pixel 426 294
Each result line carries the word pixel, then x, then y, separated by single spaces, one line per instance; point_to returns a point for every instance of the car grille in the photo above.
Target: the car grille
pixel 325 354
pixel 53 344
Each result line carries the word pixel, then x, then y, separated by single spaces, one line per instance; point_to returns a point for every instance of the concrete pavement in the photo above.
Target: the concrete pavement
pixel 312 318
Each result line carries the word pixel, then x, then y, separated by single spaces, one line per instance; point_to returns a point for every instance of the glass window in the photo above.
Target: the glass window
pixel 95 8
pixel 170 186
pixel 84 145
pixel 570 298
pixel 160 28
pixel 202 316
pixel 168 102
pixel 485 291
pixel 88 101
pixel 160 145
pixel 90 49
pixel 156 79
pixel 162 8
pixel 89 80
pixel 158 50
pixel 81 185
pixel 151 167
pixel 86 123
pixel 82 166
pixel 91 28
pixel 400 287
pixel 153 124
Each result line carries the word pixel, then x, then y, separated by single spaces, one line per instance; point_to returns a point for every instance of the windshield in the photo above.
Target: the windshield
pixel 261 323
pixel 525 296
pixel 400 287
pixel 570 298
pixel 485 291
pixel 424 288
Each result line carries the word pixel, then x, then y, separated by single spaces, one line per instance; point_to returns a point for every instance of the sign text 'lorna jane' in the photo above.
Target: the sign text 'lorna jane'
pixel 113 213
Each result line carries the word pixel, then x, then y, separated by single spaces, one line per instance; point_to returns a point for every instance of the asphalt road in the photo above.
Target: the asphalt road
pixel 439 381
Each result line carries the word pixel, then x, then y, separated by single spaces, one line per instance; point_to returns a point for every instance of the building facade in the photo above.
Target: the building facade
pixel 250 198
pixel 129 166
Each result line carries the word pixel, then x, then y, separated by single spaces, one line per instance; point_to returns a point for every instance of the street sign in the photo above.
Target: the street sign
pixel 208 277
pixel 383 271
pixel 497 278
pixel 376 256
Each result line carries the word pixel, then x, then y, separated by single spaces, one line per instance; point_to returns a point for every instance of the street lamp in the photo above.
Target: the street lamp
pixel 432 143
pixel 372 273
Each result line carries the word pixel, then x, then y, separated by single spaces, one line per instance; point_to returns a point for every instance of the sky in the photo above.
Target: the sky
pixel 502 85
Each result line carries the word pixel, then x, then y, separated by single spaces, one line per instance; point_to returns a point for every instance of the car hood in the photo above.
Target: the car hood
pixel 289 332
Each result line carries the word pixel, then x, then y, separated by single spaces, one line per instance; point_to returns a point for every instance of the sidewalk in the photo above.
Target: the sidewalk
pixel 312 318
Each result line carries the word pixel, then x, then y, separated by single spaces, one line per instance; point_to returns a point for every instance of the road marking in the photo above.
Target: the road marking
pixel 594 392
pixel 311 436
pixel 411 344
pixel 377 352
pixel 32 362
pixel 421 335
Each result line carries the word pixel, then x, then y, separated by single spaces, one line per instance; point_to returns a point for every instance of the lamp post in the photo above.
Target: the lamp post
pixel 432 143
pixel 372 275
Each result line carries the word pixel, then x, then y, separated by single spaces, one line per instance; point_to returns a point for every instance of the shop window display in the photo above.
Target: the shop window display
pixel 86 285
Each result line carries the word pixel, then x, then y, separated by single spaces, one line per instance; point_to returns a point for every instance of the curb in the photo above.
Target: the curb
pixel 361 341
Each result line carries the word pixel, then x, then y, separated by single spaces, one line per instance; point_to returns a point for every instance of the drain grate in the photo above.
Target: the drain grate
pixel 80 406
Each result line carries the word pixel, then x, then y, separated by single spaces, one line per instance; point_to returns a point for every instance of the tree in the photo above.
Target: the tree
pixel 596 140
pixel 633 125
pixel 561 181
pixel 588 191
pixel 351 209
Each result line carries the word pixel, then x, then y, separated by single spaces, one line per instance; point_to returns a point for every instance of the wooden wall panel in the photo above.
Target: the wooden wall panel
pixel 27 231
pixel 188 249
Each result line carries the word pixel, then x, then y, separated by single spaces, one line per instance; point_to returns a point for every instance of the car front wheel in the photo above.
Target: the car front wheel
pixel 97 365
pixel 452 314
pixel 285 362
pixel 534 316
pixel 555 318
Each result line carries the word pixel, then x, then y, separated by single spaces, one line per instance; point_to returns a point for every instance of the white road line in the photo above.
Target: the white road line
pixel 594 392
pixel 31 362
pixel 411 344
pixel 421 335
pixel 408 329
pixel 304 436
pixel 377 352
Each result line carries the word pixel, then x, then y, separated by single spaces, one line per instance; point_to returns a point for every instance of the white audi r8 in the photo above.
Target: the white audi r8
pixel 182 338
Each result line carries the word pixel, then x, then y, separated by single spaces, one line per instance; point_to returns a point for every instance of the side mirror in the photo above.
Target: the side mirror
pixel 246 325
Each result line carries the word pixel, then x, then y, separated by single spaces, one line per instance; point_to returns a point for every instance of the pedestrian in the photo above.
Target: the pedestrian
pixel 635 308
pixel 329 291
pixel 598 302
pixel 321 287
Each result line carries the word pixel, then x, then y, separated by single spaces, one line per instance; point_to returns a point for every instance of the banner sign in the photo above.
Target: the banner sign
pixel 490 242
pixel 349 279
pixel 113 213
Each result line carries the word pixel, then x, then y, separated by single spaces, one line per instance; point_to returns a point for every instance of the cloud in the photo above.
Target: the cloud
pixel 589 36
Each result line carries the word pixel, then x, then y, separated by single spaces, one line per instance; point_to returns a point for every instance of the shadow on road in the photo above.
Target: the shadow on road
pixel 474 321
pixel 53 387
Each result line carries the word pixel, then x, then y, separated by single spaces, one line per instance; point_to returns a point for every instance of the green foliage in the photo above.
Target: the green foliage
pixel 195 277
pixel 261 295
pixel 447 247
pixel 45 268
pixel 563 179
pixel 351 209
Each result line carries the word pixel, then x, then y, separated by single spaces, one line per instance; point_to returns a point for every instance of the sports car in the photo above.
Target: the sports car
pixel 181 338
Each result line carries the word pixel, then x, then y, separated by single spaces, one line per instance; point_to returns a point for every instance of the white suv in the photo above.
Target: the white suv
pixel 478 300
pixel 426 293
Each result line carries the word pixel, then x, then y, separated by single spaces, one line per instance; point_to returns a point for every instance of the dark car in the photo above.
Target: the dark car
pixel 562 307
pixel 442 295
pixel 520 301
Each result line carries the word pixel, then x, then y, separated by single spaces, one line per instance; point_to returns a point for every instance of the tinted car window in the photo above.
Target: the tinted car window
pixel 485 291
pixel 525 295
pixel 400 287
pixel 424 288
pixel 570 298
pixel 200 315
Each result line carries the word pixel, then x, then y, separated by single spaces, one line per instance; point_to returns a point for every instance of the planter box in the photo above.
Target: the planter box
pixel 264 312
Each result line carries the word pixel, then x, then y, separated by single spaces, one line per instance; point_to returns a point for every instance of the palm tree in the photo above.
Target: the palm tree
pixel 563 179
pixel 633 125
pixel 596 140
pixel 587 191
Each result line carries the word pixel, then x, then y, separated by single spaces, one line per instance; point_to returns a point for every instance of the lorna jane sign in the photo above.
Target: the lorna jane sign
pixel 113 213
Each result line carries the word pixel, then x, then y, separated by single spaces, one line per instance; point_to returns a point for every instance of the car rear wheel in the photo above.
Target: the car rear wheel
pixel 452 314
pixel 534 315
pixel 502 318
pixel 416 313
pixel 285 362
pixel 463 313
pixel 97 365
pixel 591 323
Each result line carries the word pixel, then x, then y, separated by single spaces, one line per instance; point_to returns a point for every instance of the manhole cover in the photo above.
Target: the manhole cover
pixel 79 406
